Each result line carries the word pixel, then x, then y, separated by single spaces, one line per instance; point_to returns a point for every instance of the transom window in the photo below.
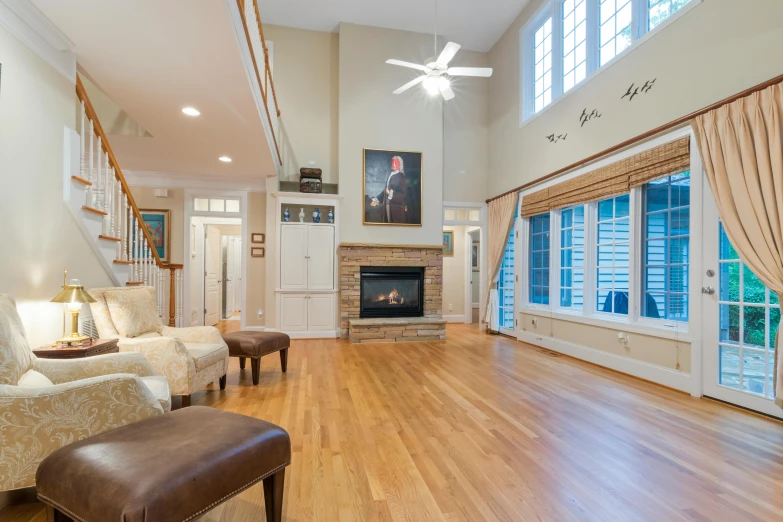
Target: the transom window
pixel 613 250
pixel 215 205
pixel 569 39
pixel 543 69
pixel 666 230
pixel 572 257
pixel 539 259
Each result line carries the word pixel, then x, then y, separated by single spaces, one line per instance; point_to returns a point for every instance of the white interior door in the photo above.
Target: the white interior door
pixel 293 257
pixel 320 258
pixel 320 312
pixel 212 269
pixel 740 319
pixel 237 281
pixel 230 276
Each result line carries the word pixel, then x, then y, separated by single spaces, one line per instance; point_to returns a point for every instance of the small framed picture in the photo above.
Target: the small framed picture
pixel 258 238
pixel 474 257
pixel 448 242
pixel 257 252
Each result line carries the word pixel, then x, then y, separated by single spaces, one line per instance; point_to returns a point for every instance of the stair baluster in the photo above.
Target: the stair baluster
pixel 91 200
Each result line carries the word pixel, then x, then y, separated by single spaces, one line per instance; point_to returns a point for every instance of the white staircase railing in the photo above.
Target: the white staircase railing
pixel 108 199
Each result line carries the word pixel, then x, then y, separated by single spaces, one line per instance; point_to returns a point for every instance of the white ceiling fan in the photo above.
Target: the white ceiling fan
pixel 436 73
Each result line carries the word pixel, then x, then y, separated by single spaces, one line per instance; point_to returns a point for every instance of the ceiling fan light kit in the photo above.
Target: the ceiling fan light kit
pixel 436 74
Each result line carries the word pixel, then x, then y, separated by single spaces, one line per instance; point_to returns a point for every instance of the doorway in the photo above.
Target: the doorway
pixel 473 275
pixel 216 280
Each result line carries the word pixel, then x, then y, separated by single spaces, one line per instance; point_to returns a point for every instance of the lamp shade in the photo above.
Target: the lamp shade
pixel 73 294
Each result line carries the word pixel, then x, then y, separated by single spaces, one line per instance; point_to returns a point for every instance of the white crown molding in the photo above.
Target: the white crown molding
pixel 142 178
pixel 29 25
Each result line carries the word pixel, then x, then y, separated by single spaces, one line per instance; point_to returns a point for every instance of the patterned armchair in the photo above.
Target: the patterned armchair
pixel 46 404
pixel 190 358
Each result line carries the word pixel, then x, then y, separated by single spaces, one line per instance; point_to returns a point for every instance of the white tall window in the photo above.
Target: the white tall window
pixel 543 68
pixel 616 17
pixel 613 251
pixel 572 257
pixel 506 285
pixel 569 39
pixel 574 42
pixel 660 10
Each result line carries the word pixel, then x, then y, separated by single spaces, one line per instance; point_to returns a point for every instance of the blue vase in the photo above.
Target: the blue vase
pixel 316 215
pixel 330 216
pixel 287 215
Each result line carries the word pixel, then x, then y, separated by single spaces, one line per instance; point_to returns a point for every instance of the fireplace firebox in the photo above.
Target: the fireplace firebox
pixel 391 291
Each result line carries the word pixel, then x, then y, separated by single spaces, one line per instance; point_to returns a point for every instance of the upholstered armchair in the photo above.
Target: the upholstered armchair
pixel 46 404
pixel 190 358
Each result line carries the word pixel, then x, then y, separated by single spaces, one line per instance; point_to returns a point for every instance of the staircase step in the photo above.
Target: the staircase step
pixel 94 211
pixel 134 283
pixel 81 181
pixel 122 262
pixel 109 238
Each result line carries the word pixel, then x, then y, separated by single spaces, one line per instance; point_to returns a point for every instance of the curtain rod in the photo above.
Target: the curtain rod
pixel 667 126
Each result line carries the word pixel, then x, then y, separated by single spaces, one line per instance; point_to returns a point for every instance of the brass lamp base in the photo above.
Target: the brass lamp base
pixel 73 340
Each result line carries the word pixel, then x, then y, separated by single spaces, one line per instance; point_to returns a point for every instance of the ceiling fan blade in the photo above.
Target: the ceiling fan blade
pixel 485 72
pixel 448 53
pixel 446 91
pixel 410 84
pixel 409 64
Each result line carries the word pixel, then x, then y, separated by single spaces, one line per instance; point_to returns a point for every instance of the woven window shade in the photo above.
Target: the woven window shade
pixel 612 180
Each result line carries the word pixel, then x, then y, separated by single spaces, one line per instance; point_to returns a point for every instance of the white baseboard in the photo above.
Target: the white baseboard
pixel 649 372
pixel 454 318
pixel 313 335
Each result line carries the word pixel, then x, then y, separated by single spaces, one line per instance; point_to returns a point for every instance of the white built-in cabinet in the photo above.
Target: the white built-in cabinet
pixel 307 292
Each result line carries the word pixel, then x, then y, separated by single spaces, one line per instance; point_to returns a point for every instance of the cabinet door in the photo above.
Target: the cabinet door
pixel 321 312
pixel 293 312
pixel 293 257
pixel 320 253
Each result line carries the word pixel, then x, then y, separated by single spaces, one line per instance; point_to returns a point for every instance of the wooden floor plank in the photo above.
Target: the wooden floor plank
pixel 482 427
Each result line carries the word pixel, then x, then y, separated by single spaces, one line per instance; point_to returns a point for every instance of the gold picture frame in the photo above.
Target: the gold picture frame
pixel 391 153
pixel 448 242
pixel 158 224
pixel 257 252
pixel 257 238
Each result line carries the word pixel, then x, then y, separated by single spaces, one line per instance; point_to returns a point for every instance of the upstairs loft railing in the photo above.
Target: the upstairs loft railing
pixel 267 84
pixel 108 196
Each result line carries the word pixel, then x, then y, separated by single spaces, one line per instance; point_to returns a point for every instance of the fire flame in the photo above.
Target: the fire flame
pixel 393 298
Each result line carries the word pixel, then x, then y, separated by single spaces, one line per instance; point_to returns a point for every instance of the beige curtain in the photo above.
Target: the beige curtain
pixel 742 151
pixel 501 217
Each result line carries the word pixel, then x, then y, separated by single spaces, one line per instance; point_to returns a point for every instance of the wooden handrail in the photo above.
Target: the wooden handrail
pixel 90 112
pixel 267 71
pixel 649 134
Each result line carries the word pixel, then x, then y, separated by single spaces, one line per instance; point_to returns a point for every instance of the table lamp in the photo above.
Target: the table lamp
pixel 74 296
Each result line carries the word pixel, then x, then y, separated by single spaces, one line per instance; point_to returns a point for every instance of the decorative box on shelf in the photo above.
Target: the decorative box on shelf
pixel 310 181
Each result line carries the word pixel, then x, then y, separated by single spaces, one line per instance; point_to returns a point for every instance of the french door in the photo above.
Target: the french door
pixel 740 319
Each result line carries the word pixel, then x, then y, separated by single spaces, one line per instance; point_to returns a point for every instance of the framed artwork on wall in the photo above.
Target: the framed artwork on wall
pixel 257 238
pixel 257 252
pixel 392 187
pixel 474 257
pixel 158 224
pixel 448 242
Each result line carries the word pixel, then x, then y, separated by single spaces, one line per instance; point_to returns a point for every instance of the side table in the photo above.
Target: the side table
pixel 95 347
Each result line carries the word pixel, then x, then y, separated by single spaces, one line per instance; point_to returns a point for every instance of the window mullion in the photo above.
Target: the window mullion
pixel 588 307
pixel 634 252
pixel 555 255
pixel 592 35
pixel 557 49
pixel 641 15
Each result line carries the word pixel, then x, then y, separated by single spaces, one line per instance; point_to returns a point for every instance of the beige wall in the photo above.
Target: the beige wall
pixel 175 202
pixel 305 74
pixel 466 133
pixel 256 266
pixel 717 49
pixel 40 236
pixel 371 116
pixel 668 353
pixel 454 274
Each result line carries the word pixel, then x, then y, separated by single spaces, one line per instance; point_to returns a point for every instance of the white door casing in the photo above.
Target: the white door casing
pixel 320 258
pixel 230 275
pixel 237 280
pixel 212 265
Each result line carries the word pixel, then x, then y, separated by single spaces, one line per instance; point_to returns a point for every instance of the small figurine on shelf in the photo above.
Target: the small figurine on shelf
pixel 287 215
pixel 330 216
pixel 301 215
pixel 316 215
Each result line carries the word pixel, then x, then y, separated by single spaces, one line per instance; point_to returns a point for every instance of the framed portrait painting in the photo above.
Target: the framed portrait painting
pixel 448 242
pixel 474 257
pixel 392 187
pixel 158 224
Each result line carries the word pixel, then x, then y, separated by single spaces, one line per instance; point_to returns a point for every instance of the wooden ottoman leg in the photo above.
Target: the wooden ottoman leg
pixel 284 359
pixel 223 382
pixel 255 364
pixel 273 495
pixel 185 401
pixel 54 515
pixel 242 363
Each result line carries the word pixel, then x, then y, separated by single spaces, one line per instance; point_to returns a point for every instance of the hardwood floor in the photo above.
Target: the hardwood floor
pixel 484 428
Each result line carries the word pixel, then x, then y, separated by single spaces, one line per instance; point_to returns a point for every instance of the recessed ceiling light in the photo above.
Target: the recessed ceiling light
pixel 191 111
pixel 225 159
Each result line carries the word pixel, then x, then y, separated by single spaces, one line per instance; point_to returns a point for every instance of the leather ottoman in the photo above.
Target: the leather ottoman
pixel 172 467
pixel 254 345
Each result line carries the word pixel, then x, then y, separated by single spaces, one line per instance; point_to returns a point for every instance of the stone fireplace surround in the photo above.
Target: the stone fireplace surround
pixel 431 327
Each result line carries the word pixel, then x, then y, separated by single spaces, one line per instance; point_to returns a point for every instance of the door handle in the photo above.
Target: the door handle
pixel 707 290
